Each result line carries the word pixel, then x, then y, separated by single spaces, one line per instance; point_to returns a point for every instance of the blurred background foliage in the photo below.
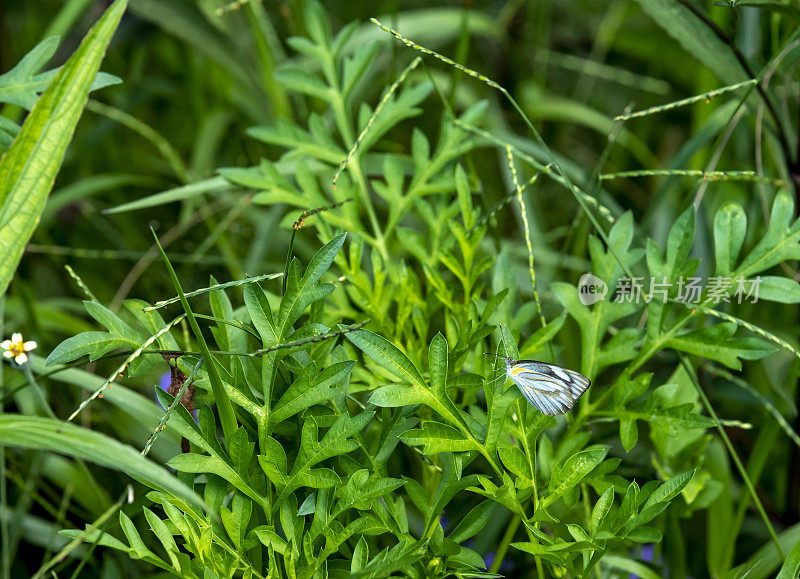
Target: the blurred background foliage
pixel 197 76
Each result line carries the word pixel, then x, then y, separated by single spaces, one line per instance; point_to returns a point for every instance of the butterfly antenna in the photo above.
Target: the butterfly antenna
pixel 496 380
pixel 502 374
pixel 503 339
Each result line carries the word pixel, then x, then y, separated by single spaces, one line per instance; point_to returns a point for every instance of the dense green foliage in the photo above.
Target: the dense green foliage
pixel 349 221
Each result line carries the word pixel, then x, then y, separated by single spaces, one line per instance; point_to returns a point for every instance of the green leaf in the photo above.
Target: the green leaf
pixel 645 535
pixel 162 532
pixel 515 461
pixel 781 241
pixel 241 450
pixel 95 344
pixel 791 567
pixel 696 37
pixel 392 426
pixel 437 437
pixel 730 228
pixel 387 356
pixel 568 474
pixel 304 82
pixel 392 359
pixel 395 395
pixel 134 539
pixel 22 85
pixel 659 500
pixel 716 343
pixel 151 321
pixel 210 185
pixel 309 389
pixel 498 401
pixel 783 290
pixel 680 239
pixel 595 321
pixel 669 489
pixel 356 68
pixel 19 85
pixel 111 321
pixel 98 537
pixel 29 167
pixel 309 505
pixel 66 438
pixel 473 522
pixel 541 337
pixel 464 197
pixel 270 539
pixel 236 519
pixel 668 269
pixel 335 442
pixel 255 298
pixel 200 463
pixel 504 495
pixel 765 561
pixel 437 361
pixel 176 513
pixel 627 388
pixel 628 432
pixel 362 491
pixel 539 550
pixel 302 143
pixel 303 292
pixel 388 561
pixel 360 556
pixel 396 109
pixel 629 566
pixel 601 509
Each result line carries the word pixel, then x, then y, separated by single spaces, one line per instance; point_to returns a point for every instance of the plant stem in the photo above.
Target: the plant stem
pixel 742 471
pixel 26 368
pixel 508 536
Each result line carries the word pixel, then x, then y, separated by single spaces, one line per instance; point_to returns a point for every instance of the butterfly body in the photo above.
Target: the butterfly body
pixel 550 388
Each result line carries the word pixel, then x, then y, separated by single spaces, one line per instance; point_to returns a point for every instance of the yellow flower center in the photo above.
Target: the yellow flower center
pixel 16 348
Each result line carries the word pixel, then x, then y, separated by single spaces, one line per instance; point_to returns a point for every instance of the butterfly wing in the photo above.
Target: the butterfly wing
pixel 550 388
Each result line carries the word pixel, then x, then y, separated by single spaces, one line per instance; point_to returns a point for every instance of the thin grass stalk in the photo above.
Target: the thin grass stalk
pixel 84 288
pixel 707 96
pixel 528 242
pixel 750 176
pixel 544 169
pixel 219 286
pixel 118 373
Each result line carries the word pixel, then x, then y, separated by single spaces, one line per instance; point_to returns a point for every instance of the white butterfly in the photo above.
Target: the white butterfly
pixel 550 388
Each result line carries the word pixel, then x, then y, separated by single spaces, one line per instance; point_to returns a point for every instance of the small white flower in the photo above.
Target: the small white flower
pixel 16 348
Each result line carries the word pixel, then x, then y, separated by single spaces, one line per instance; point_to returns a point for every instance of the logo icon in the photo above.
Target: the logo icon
pixel 591 289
